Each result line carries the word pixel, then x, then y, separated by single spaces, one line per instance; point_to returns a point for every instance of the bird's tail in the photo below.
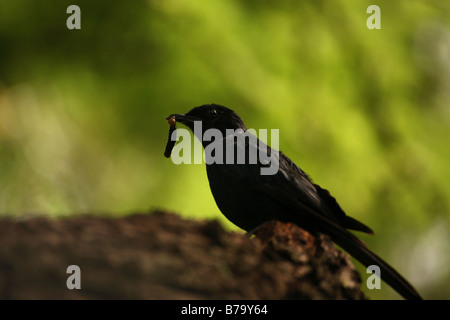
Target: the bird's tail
pixel 315 221
pixel 361 252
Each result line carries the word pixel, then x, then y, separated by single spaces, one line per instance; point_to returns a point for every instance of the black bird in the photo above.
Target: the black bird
pixel 249 199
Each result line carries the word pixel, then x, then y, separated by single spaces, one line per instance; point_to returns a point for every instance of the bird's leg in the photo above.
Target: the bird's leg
pixel 252 232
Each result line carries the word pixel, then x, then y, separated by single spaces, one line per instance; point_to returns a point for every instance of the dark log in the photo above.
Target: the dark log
pixel 162 256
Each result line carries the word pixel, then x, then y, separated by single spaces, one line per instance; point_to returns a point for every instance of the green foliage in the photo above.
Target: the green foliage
pixel 364 112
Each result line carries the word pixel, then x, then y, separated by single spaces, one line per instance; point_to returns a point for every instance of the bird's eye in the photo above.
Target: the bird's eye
pixel 213 112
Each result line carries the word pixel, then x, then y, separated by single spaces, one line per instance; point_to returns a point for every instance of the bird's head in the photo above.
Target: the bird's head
pixel 212 116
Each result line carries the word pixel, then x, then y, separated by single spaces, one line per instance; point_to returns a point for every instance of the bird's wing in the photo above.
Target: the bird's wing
pixel 347 221
pixel 302 214
pixel 314 196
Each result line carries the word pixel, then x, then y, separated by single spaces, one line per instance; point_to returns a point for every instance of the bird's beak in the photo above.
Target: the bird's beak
pixel 183 118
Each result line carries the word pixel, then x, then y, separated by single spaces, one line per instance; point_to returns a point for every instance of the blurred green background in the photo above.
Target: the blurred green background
pixel 365 112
